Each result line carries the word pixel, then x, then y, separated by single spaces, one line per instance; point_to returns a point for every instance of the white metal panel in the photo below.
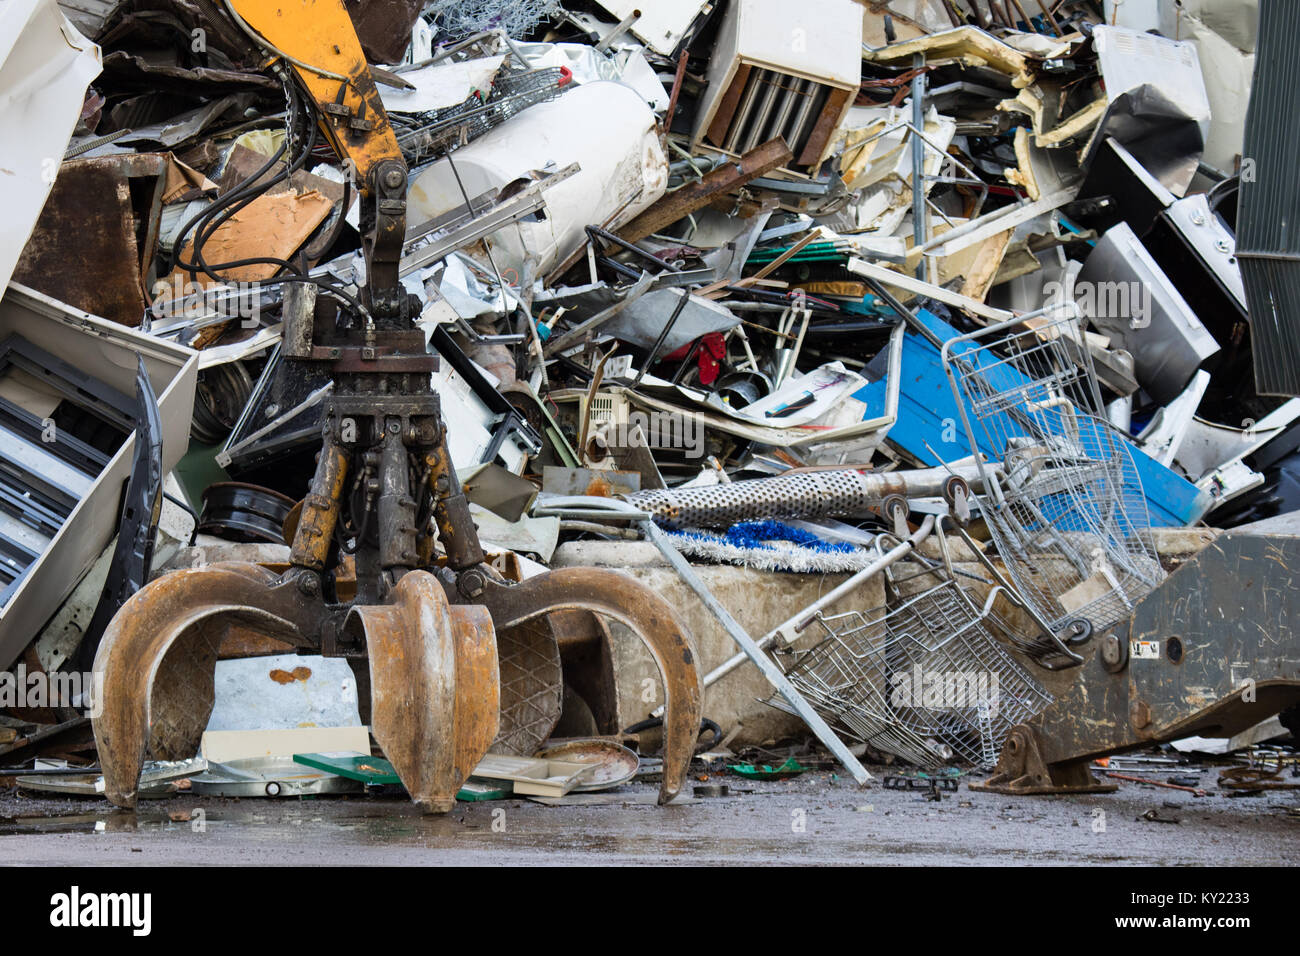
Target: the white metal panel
pixel 107 351
pixel 604 127
pixel 822 39
pixel 662 23
pixel 45 66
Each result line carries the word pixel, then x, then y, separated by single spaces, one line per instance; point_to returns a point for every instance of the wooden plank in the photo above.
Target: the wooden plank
pixel 716 289
pixel 223 745
pixel 684 201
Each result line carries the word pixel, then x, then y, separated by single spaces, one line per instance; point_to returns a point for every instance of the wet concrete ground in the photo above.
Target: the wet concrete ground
pixel 813 819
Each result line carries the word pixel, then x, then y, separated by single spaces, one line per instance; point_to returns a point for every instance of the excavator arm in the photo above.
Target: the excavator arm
pixel 316 40
pixel 424 627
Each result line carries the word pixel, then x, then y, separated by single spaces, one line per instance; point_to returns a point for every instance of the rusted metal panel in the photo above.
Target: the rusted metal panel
pixel 825 128
pixel 717 133
pixel 1213 650
pixel 384 26
pixel 434 690
pixel 156 662
pixel 93 244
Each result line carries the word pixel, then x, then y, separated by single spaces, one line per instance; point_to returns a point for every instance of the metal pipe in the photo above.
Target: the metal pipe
pixel 616 34
pixel 918 157
pixel 778 124
pixel 742 113
pixel 804 495
pixel 762 113
pixel 803 116
pixel 751 649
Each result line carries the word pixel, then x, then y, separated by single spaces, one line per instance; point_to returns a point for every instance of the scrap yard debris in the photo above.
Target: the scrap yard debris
pixel 476 400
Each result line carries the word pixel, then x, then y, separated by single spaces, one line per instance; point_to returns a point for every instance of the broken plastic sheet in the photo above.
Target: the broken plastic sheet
pixel 878 144
pixel 660 25
pixel 642 321
pixel 45 67
pixel 876 166
pixel 442 85
pixel 187 126
pixel 539 536
pixel 798 402
pixel 967 45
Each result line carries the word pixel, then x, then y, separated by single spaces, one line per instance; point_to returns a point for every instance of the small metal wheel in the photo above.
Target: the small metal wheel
pixel 1079 632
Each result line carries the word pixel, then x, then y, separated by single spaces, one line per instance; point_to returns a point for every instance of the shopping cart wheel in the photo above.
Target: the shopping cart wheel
pixel 1078 632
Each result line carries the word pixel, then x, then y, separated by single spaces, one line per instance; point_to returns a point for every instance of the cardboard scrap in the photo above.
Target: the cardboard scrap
pixel 272 225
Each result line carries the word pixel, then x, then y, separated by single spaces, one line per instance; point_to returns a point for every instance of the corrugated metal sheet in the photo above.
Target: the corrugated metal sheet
pixel 1268 215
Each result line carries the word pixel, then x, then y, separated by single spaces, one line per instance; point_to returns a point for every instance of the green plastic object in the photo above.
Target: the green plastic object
pixel 791 768
pixel 376 772
pixel 483 790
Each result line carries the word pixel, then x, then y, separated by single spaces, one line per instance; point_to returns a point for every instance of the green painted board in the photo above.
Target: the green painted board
pixel 791 768
pixel 372 771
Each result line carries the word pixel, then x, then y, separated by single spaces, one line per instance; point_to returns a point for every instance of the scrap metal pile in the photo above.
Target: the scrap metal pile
pixel 942 297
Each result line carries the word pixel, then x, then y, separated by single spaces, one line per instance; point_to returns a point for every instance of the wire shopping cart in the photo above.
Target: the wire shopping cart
pixel 924 678
pixel 1062 497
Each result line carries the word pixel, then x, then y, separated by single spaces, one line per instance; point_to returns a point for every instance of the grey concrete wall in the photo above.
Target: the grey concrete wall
pixel 759 600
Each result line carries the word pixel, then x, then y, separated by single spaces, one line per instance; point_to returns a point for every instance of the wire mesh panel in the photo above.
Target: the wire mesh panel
pixel 923 678
pixel 1067 512
pixel 513 17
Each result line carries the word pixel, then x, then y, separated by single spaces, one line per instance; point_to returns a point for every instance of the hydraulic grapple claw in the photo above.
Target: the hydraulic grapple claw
pixel 626 600
pixel 434 690
pixel 433 672
pixel 154 668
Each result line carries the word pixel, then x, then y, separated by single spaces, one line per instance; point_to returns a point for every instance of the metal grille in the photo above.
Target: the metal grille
pixel 806 495
pixel 422 136
pixel 1067 511
pixel 923 678
pixel 1269 205
pixel 776 104
pixel 532 687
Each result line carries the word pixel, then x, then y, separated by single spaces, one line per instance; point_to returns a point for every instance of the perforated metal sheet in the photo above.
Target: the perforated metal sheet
pixel 810 495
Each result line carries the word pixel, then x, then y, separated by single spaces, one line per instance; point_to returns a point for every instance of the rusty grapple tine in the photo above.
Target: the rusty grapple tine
pixel 653 619
pixel 153 672
pixel 434 690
